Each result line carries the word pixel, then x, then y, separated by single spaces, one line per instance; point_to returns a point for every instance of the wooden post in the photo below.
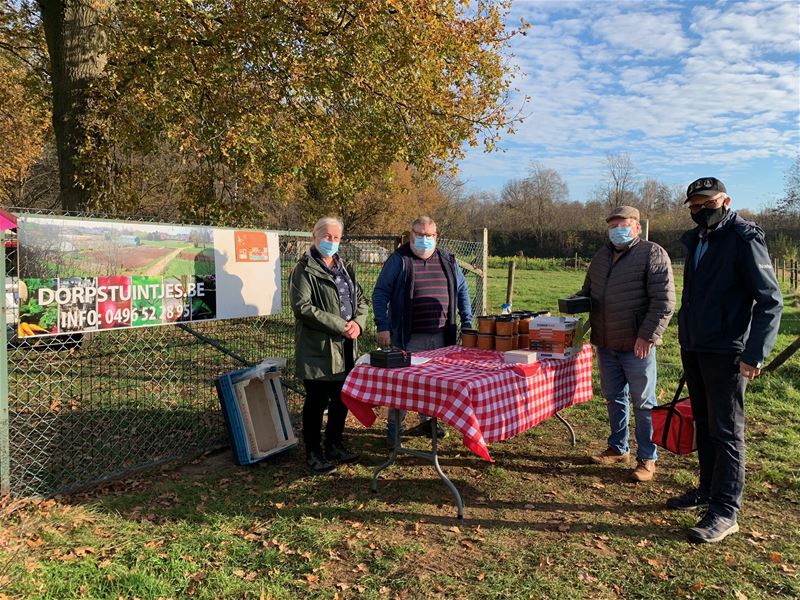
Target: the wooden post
pixel 575 264
pixel 783 356
pixel 510 285
pixel 645 229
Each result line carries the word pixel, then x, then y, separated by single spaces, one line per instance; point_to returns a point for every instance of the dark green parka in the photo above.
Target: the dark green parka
pixel 319 345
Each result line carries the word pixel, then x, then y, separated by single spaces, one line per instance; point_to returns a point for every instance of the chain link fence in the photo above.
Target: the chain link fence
pixel 85 408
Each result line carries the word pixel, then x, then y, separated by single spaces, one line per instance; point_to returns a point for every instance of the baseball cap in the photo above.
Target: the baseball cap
pixel 624 212
pixel 705 186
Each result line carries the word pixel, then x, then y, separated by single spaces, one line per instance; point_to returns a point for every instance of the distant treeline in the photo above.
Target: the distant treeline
pixel 783 243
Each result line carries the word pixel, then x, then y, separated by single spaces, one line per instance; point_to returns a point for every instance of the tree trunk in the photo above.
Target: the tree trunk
pixel 75 42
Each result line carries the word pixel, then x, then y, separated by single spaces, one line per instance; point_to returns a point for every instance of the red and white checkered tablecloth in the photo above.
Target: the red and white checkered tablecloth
pixel 473 390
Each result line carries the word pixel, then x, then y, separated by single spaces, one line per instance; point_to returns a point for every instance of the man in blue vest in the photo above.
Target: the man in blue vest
pixel 415 300
pixel 727 324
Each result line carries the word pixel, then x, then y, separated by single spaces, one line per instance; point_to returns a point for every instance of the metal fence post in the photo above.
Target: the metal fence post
pixel 5 453
pixel 485 269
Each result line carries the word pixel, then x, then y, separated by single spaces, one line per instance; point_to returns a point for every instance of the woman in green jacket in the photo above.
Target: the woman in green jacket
pixel 330 312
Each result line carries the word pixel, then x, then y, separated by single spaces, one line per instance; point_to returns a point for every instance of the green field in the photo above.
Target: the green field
pixel 540 522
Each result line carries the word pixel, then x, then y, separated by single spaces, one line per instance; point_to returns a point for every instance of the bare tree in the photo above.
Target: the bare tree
pixel 655 197
pixel 621 180
pixel 790 203
pixel 545 190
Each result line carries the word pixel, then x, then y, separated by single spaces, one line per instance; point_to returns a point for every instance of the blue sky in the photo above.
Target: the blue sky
pixel 686 88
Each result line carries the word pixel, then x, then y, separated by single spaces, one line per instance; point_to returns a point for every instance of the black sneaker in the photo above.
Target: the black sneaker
pixel 339 453
pixel 318 464
pixel 712 528
pixel 425 429
pixel 689 500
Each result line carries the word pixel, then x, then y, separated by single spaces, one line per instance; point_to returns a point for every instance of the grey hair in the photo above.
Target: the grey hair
pixel 324 222
pixel 423 220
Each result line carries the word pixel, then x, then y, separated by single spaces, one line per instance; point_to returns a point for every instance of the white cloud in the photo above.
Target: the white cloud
pixel 651 33
pixel 664 81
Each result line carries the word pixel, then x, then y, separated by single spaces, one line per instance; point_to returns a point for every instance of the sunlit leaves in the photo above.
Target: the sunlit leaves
pixel 328 91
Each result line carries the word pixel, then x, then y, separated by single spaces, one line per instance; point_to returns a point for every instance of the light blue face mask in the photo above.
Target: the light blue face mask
pixel 424 243
pixel 620 236
pixel 328 248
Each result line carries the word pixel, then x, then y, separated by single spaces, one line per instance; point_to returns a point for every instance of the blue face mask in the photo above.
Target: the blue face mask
pixel 328 248
pixel 424 243
pixel 620 236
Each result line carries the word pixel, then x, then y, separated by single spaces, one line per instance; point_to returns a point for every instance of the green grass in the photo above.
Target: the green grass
pixel 540 522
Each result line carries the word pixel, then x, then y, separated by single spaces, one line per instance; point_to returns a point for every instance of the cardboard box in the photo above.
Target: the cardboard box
pixel 566 353
pixel 562 323
pixel 256 412
pixel 556 336
pixel 520 357
pixel 557 330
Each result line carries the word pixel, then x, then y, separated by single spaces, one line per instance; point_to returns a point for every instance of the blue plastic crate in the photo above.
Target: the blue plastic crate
pixel 256 412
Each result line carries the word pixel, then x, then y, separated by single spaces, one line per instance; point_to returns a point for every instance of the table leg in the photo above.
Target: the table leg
pixel 442 476
pixel 431 456
pixel 571 430
pixel 392 456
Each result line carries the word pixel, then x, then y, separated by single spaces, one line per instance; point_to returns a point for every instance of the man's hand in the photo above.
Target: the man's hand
pixel 384 339
pixel 748 371
pixel 642 348
pixel 351 330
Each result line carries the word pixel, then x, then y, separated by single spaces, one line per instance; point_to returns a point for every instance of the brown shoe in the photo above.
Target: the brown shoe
pixel 644 471
pixel 609 456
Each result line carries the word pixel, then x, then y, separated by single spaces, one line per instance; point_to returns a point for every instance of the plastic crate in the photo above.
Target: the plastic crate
pixel 256 412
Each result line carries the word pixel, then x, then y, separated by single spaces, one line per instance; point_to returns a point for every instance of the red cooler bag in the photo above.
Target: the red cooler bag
pixel 673 424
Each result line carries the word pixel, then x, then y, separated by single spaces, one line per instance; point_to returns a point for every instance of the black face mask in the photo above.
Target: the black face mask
pixel 709 217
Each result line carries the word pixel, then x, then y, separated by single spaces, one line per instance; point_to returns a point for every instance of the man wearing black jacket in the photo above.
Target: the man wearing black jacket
pixel 727 324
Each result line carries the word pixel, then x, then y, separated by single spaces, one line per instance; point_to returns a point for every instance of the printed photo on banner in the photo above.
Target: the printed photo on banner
pixel 93 275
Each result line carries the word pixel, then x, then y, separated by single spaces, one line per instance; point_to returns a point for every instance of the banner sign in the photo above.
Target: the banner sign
pixel 79 275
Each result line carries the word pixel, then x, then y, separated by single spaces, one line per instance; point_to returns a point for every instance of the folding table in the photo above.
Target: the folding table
pixel 472 390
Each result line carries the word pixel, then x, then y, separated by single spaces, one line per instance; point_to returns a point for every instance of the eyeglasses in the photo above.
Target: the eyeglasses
pixel 420 234
pixel 711 203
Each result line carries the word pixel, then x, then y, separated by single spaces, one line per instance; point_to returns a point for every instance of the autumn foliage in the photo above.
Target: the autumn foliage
pixel 236 105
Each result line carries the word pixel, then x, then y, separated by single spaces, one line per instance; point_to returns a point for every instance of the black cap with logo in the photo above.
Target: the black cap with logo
pixel 705 186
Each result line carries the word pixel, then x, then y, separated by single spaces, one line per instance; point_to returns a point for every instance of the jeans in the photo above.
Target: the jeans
pixel 717 391
pixel 623 375
pixel 419 342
